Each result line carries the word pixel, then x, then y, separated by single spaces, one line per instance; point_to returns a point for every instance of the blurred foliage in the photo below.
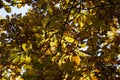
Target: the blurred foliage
pixel 61 40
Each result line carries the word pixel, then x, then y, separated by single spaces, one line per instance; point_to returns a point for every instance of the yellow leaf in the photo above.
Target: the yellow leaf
pixel 13 74
pixel 3 79
pixel 67 1
pixel 0 43
pixel 110 34
pixel 36 35
pixel 102 1
pixel 69 39
pixel 19 78
pixel 24 46
pixel 29 44
pixel 7 8
pixel 94 78
pixel 83 45
pixel 64 45
pixel 48 52
pixel 80 53
pixel 81 24
pixel 28 67
pixel 22 58
pixel 14 1
pixel 18 69
pixel 27 59
pixel 53 43
pixel 52 48
pixel 19 5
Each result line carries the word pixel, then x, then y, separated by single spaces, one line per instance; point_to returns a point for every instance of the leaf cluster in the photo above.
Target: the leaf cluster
pixel 61 40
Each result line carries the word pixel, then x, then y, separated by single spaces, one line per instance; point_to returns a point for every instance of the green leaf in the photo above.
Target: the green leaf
pixel 16 59
pixel 44 22
pixel 14 55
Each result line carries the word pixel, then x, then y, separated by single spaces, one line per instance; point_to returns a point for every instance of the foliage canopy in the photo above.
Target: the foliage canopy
pixel 61 40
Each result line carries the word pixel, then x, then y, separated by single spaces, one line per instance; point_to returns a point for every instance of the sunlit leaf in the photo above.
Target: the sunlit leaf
pixel 83 45
pixel 3 79
pixel 13 2
pixel 16 59
pixel 94 78
pixel 81 24
pixel 67 1
pixel 19 5
pixel 110 34
pixel 22 58
pixel 36 35
pixel 27 67
pixel 69 39
pixel 76 59
pixel 53 43
pixel 80 53
pixel 27 59
pixel 48 52
pixel 7 8
pixel 19 78
pixel 25 47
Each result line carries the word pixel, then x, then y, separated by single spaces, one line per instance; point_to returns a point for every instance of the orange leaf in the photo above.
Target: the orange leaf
pixel 76 59
pixel 94 78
